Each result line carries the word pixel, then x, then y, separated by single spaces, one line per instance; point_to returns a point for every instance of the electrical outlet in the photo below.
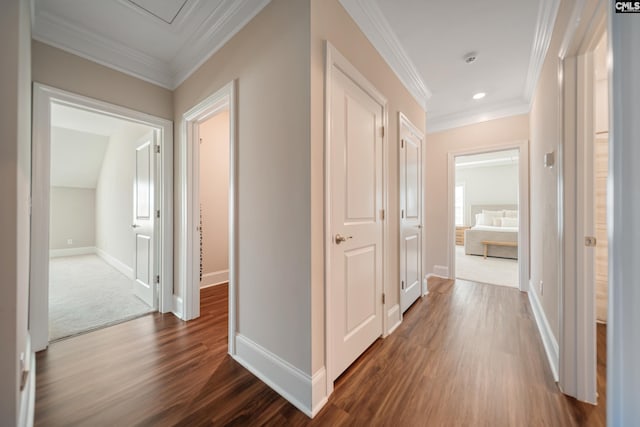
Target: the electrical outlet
pixel 69 241
pixel 541 287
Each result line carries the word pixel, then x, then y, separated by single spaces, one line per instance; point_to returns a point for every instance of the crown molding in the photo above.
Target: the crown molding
pixel 217 29
pixel 376 28
pixel 477 115
pixel 68 36
pixel 214 33
pixel 547 13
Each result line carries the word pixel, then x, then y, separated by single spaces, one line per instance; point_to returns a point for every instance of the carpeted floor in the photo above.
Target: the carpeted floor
pixel 494 271
pixel 86 293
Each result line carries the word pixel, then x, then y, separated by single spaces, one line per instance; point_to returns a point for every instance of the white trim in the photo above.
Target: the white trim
pixel 284 378
pixel 214 279
pixel 115 263
pixel 224 22
pixel 548 339
pixel 58 253
pixel 43 97
pixel 178 306
pixel 28 395
pixel 394 319
pixel 428 276
pixel 318 391
pixel 547 13
pixel 441 271
pixel 333 58
pixel 499 110
pixel 189 173
pixel 376 28
pixel 523 205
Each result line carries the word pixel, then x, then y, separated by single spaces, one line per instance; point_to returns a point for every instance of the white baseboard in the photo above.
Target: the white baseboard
pixel 441 271
pixel 178 306
pixel 425 284
pixel 393 319
pixel 28 395
pixel 548 340
pixel 284 378
pixel 57 253
pixel 215 278
pixel 115 263
pixel 319 391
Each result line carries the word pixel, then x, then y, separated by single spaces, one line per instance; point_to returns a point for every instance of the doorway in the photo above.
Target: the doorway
pixel 487 217
pixel 101 218
pixel 488 220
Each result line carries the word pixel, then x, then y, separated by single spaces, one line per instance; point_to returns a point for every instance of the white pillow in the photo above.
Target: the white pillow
pixel 510 214
pixel 509 222
pixel 480 219
pixel 494 213
pixel 497 222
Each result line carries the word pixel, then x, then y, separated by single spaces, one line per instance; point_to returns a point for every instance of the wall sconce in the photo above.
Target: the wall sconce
pixel 549 159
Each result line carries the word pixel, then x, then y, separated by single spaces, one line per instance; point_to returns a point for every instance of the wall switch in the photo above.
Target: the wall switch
pixel 541 287
pixel 69 241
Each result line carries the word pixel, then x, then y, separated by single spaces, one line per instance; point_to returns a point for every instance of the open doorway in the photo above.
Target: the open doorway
pixel 486 217
pixel 101 195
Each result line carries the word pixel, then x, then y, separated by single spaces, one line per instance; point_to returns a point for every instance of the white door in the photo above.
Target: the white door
pixel 356 220
pixel 410 218
pixel 143 220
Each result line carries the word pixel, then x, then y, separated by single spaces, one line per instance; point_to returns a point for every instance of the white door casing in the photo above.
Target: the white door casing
pixel 410 159
pixel 356 220
pixel 143 220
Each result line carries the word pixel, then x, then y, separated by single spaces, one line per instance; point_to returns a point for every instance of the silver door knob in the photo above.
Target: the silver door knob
pixel 419 226
pixel 340 238
pixel 134 226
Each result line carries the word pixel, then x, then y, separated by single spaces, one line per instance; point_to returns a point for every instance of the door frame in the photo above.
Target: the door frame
pixel 333 58
pixel 523 205
pixel 405 124
pixel 43 97
pixel 188 303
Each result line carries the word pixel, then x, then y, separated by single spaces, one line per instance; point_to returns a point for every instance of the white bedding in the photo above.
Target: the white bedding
pixel 492 228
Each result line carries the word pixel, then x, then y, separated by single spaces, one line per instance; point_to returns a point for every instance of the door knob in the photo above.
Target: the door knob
pixel 134 226
pixel 419 226
pixel 340 238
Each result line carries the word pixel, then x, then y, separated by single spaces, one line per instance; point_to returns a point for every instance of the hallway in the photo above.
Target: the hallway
pixel 467 354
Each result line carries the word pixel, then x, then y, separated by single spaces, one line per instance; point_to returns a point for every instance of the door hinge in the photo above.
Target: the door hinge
pixel 401 213
pixel 383 131
pixel 402 284
pixel 590 241
pixel 158 213
pixel 158 278
pixel 383 299
pixel 381 213
pixel 402 143
pixel 158 149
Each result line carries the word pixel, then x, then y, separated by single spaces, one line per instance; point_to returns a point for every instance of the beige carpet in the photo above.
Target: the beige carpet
pixel 494 271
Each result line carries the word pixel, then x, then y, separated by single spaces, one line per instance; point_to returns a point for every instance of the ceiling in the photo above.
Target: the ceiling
pixel 160 41
pixel 79 141
pixel 492 159
pixel 424 42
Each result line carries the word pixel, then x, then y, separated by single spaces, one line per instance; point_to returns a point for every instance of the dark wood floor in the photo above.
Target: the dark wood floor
pixel 467 354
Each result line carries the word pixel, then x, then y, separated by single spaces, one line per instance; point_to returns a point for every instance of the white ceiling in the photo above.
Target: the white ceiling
pixel 79 140
pixel 161 41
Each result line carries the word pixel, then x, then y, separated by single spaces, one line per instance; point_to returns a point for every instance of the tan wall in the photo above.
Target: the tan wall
pixel 329 21
pixel 15 185
pixel 438 145
pixel 64 70
pixel 73 216
pixel 214 193
pixel 270 60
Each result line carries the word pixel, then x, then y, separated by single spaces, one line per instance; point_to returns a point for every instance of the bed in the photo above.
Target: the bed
pixel 490 234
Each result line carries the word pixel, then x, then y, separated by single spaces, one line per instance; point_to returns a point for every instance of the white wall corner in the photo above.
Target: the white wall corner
pixel 215 278
pixel 425 284
pixel 57 253
pixel 178 307
pixel 441 271
pixel 394 319
pixel 115 263
pixel 287 380
pixel 319 391
pixel 547 13
pixel 548 339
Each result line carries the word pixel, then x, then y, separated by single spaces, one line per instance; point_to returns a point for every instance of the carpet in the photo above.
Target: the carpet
pixel 493 271
pixel 86 293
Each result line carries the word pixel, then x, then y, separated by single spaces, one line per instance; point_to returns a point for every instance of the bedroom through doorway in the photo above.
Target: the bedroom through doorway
pixel 486 215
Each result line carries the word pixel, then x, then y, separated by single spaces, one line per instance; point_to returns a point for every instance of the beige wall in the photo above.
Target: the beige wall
pixel 114 195
pixel 544 136
pixel 269 58
pixel 72 216
pixel 64 70
pixel 214 194
pixel 15 183
pixel 438 145
pixel 329 21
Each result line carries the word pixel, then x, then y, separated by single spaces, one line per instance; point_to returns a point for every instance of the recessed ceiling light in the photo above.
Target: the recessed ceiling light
pixel 479 95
